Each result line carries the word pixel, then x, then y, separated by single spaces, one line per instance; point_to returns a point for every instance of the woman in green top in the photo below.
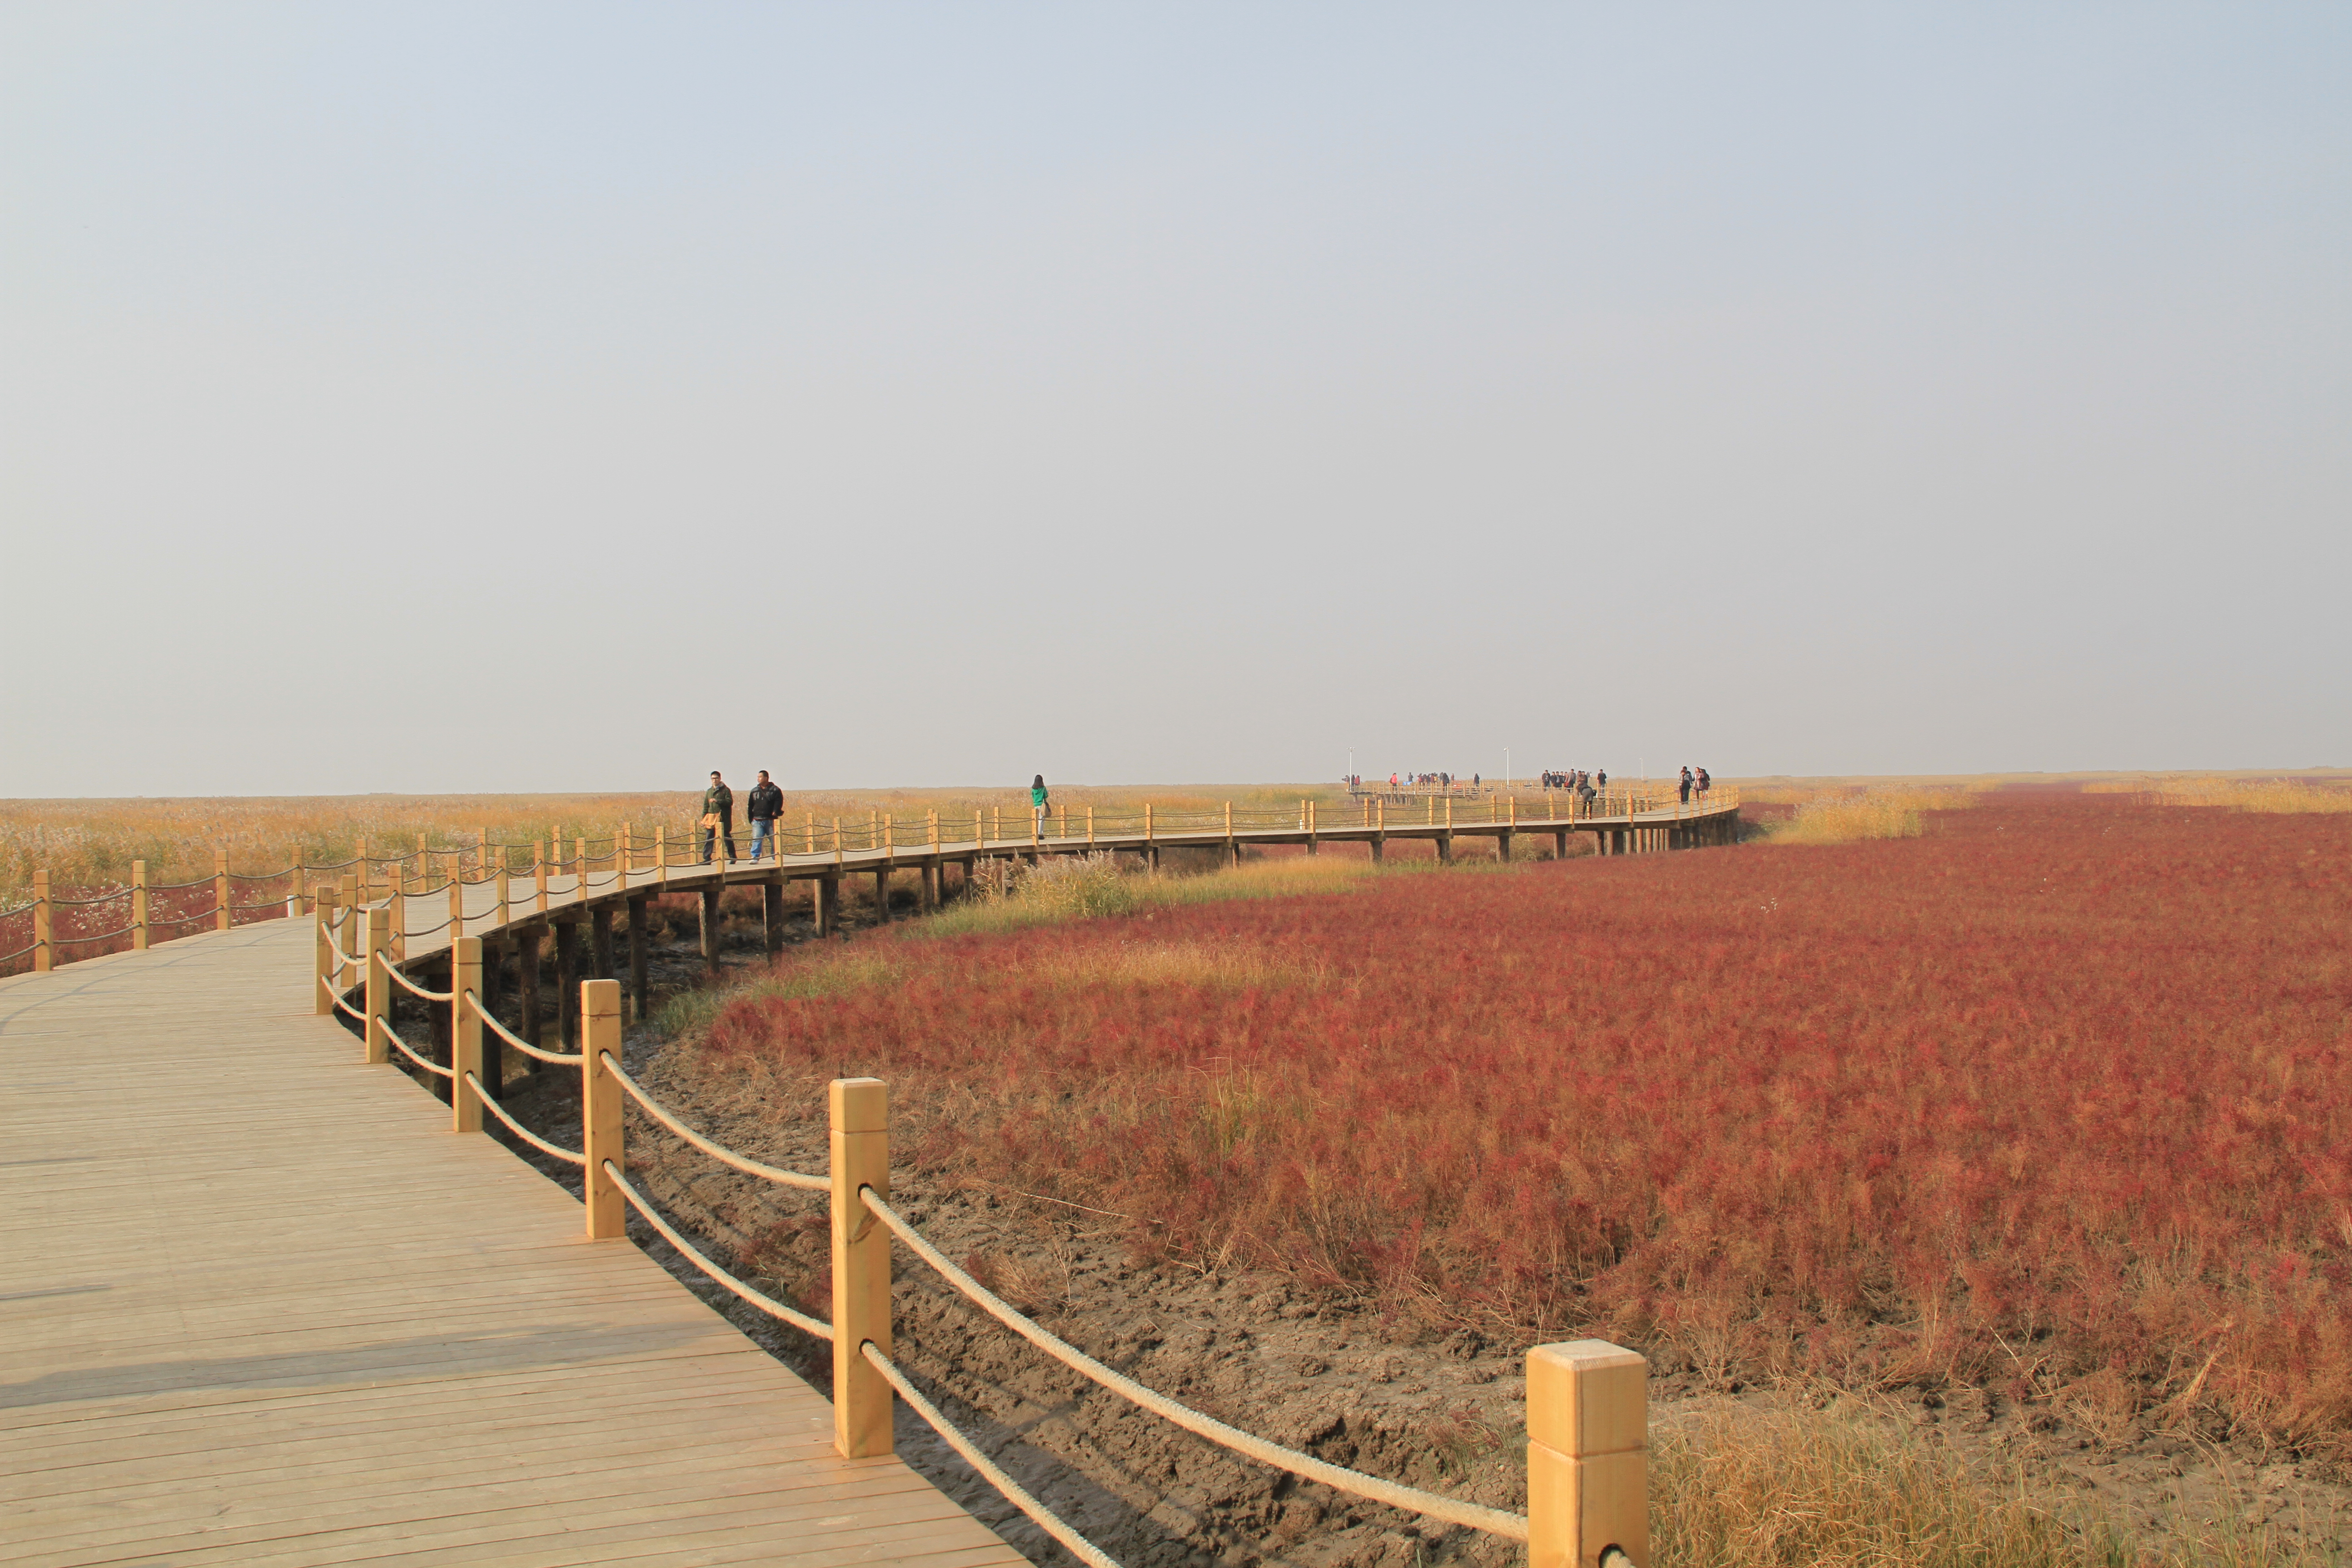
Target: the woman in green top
pixel 1037 802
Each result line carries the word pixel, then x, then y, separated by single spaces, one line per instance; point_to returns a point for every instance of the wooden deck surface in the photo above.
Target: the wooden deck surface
pixel 258 1307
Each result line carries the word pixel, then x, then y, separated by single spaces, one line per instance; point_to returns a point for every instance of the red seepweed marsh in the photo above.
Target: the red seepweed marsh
pixel 2054 1100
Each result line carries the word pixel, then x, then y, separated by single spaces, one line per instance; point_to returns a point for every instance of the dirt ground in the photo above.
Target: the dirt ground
pixel 1338 1379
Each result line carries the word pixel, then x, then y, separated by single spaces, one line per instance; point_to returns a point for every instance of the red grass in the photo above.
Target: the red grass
pixel 2057 1097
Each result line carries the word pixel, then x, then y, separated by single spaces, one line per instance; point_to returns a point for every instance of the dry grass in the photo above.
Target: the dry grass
pixel 1011 897
pixel 2279 794
pixel 89 844
pixel 1879 812
pixel 1741 1488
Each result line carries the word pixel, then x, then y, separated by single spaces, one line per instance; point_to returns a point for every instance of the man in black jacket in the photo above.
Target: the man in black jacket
pixel 766 804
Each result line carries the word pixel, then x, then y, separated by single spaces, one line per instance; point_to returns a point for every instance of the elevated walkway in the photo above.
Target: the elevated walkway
pixel 258 1307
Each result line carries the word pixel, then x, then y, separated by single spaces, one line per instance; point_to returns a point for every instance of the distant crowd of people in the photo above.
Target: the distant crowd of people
pixel 1585 786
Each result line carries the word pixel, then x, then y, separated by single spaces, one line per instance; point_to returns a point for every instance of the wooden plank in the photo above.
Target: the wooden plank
pixel 258 1305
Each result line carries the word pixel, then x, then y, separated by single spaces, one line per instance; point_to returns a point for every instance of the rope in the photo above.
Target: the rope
pixel 408 1051
pixel 176 887
pixel 13 957
pixel 516 1041
pixel 101 898
pixel 1453 1511
pixel 724 1155
pixel 248 908
pixel 1085 1550
pixel 102 936
pixel 519 1131
pixel 336 947
pixel 768 1304
pixel 411 986
pixel 347 1008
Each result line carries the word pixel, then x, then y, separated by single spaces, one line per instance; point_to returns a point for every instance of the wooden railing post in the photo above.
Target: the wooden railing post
pixel 1310 827
pixel 44 936
pixel 139 906
pixel 375 943
pixel 1588 1454
pixel 347 929
pixel 1090 827
pixel 465 1032
pixel 860 1112
pixel 600 1106
pixel 538 873
pixel 322 906
pixel 505 893
pixel 456 898
pixel 220 889
pixel 661 854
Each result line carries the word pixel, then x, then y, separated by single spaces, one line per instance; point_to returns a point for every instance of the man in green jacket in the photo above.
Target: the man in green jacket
pixel 719 802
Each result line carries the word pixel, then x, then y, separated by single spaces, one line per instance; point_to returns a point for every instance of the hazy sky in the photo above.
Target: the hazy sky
pixel 582 397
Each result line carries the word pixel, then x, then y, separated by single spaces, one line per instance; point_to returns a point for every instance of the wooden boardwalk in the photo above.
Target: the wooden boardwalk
pixel 258 1306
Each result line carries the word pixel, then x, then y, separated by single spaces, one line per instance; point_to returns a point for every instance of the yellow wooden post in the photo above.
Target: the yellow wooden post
pixel 322 905
pixel 889 839
pixel 1061 815
pixel 1233 851
pixel 837 841
pixel 44 942
pixel 457 869
pixel 139 906
pixel 1588 1454
pixel 220 889
pixel 808 833
pixel 505 895
pixel 466 1031
pixel 1090 827
pixel 539 875
pixel 347 928
pixel 1147 822
pixel 933 827
pixel 628 854
pixel 375 945
pixel 397 901
pixel 860 1114
pixel 1310 827
pixel 580 873
pixel 600 1105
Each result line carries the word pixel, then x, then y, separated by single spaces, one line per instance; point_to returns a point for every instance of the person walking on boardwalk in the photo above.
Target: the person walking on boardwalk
pixel 1037 802
pixel 1687 783
pixel 718 817
pixel 1704 784
pixel 766 804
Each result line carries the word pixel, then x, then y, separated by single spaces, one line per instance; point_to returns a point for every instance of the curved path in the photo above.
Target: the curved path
pixel 258 1306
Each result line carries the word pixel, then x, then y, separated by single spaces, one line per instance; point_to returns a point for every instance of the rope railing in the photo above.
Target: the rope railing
pixel 409 1051
pixel 411 986
pixel 343 1006
pixel 100 899
pixel 766 1303
pixel 1512 1526
pixel 569 1156
pixel 560 1059
pixel 1044 1518
pixel 717 1152
pixel 102 936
